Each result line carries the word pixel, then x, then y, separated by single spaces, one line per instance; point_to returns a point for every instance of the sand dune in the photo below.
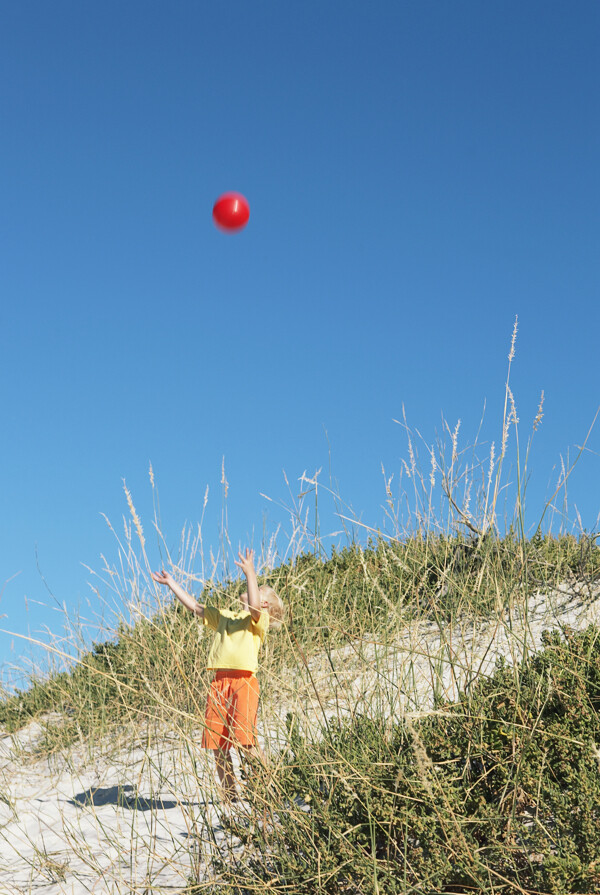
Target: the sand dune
pixel 142 815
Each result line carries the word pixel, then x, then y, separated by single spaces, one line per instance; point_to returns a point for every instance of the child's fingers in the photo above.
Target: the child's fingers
pixel 244 559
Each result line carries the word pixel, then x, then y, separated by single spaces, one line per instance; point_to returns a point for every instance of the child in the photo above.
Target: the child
pixel 233 698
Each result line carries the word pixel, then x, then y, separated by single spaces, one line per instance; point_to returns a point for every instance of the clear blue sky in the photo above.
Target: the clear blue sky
pixel 418 174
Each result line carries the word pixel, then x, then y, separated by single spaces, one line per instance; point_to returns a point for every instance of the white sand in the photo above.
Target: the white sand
pixel 79 824
pixel 145 821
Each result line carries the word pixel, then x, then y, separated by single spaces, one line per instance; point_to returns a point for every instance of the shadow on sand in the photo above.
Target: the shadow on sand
pixel 124 797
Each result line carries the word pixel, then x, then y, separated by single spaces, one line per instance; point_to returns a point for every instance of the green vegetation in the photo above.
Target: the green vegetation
pixel 499 792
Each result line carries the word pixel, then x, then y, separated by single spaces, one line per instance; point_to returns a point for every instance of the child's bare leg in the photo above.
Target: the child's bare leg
pixel 225 772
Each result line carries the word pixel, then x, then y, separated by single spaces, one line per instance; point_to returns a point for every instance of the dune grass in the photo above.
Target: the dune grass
pixel 421 735
pixel 365 595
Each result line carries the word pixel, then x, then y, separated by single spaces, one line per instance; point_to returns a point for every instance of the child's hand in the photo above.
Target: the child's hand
pixel 246 562
pixel 162 578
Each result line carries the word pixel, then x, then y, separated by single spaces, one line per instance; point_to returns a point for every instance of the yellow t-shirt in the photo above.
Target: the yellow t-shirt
pixel 237 638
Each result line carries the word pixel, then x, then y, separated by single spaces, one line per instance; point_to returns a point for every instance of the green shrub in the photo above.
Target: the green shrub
pixel 498 793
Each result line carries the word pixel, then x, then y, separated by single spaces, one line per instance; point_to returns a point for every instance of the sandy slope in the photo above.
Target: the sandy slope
pixel 82 824
pixel 146 820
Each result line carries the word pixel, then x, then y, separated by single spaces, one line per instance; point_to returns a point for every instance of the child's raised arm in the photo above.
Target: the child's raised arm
pixel 182 595
pixel 246 564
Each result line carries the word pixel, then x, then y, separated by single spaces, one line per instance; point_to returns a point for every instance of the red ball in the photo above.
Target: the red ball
pixel 231 211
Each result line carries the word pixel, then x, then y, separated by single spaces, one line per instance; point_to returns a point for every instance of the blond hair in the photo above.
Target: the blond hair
pixel 276 608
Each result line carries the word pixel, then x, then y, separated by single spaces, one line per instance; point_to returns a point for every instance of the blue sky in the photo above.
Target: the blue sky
pixel 418 175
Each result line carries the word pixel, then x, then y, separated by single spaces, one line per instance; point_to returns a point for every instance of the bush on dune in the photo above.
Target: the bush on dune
pixel 498 793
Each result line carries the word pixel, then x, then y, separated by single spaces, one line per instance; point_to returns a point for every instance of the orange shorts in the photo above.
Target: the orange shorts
pixel 231 710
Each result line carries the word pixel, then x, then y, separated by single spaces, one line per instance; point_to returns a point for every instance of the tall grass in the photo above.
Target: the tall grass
pixel 402 756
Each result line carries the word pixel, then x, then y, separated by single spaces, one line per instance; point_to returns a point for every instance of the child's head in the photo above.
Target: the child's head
pixel 272 602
